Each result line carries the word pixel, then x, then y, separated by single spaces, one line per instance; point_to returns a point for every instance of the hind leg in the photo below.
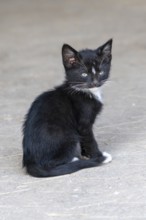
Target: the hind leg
pixel 68 151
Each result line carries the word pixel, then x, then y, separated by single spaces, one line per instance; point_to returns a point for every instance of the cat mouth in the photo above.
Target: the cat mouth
pixel 101 83
pixel 96 85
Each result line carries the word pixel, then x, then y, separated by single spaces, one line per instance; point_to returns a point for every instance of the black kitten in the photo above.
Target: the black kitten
pixel 58 137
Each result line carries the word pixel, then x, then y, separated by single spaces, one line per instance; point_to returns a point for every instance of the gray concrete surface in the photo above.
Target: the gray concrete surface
pixel 31 35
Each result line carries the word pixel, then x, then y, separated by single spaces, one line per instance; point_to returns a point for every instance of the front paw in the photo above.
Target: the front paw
pixel 108 157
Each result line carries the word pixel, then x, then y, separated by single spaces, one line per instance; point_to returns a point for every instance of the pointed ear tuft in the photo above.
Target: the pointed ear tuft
pixel 70 56
pixel 105 49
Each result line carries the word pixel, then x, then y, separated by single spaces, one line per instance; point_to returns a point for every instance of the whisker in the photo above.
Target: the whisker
pixel 108 82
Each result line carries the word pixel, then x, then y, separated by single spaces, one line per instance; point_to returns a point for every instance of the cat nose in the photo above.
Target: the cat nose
pixel 95 83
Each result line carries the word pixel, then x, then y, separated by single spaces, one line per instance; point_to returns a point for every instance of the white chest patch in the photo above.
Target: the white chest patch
pixel 96 92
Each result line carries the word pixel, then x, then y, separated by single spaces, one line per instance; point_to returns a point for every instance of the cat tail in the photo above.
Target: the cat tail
pixel 38 171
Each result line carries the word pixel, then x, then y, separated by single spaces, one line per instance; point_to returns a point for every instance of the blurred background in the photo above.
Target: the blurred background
pixel 32 33
pixel 31 36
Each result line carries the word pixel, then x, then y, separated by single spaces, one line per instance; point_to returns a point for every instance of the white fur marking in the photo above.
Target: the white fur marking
pixel 75 159
pixel 108 157
pixel 93 70
pixel 96 92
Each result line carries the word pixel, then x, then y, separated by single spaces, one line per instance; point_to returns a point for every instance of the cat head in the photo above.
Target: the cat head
pixel 87 68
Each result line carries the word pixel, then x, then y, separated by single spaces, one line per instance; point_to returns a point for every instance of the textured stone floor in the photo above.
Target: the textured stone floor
pixel 31 35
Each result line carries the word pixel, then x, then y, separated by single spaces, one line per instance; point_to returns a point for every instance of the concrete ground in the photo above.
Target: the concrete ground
pixel 31 35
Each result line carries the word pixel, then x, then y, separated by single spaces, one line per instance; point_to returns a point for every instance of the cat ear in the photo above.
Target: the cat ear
pixel 105 49
pixel 70 56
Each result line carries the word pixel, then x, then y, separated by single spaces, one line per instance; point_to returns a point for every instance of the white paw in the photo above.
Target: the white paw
pixel 108 157
pixel 75 159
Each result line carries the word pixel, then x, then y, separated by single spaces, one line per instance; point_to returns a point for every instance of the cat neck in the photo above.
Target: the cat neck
pixel 91 93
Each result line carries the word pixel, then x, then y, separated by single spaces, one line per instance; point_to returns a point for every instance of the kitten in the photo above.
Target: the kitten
pixel 57 133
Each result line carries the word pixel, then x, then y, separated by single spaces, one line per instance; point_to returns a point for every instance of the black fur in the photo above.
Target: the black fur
pixel 58 126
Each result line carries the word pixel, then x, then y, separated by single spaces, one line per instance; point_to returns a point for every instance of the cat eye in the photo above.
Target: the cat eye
pixel 101 73
pixel 84 74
